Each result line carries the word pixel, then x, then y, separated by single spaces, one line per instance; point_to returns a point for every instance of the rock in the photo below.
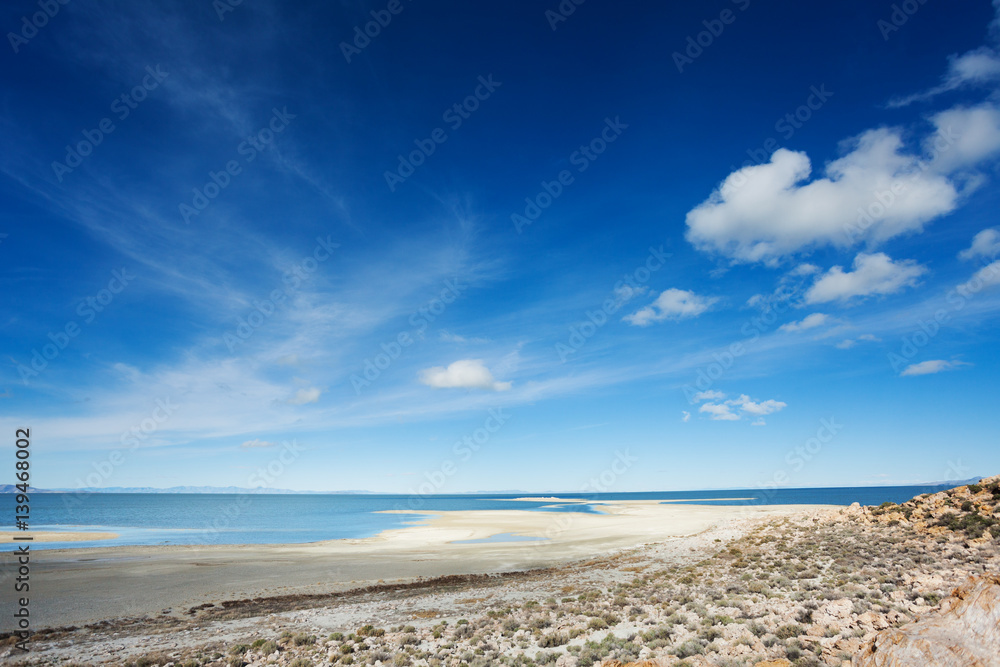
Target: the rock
pixel 873 620
pixel 965 633
pixel 780 662
pixel 836 614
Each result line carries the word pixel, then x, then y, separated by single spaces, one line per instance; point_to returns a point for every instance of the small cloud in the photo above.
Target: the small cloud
pixel 303 396
pixel 988 276
pixel 254 444
pixel 846 344
pixel 289 360
pixel 870 337
pixel 464 373
pixel 873 274
pixel 734 409
pixel 759 422
pixel 985 244
pixel 804 269
pixel 809 322
pixel 687 416
pixel 710 395
pixel 719 412
pixel 672 304
pixel 932 366
pixel 763 408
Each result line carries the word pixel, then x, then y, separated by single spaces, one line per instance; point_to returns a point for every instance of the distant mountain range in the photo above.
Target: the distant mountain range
pixel 10 488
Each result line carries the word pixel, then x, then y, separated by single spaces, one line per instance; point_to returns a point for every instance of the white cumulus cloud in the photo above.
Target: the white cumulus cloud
pixel 735 409
pixel 672 304
pixel 745 404
pixel 985 244
pixel 709 395
pixel 719 412
pixel 464 373
pixel 768 211
pixel 873 274
pixel 964 137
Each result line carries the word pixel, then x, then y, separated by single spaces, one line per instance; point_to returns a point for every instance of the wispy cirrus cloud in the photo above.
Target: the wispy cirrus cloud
pixel 808 322
pixel 931 367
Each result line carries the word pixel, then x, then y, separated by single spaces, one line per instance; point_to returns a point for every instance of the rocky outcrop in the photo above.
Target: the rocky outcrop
pixel 970 512
pixel 964 633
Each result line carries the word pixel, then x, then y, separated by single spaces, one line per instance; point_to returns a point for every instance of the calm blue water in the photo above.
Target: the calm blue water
pixel 284 519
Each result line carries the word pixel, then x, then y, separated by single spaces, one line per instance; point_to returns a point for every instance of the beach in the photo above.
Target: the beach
pixel 677 585
pixel 80 586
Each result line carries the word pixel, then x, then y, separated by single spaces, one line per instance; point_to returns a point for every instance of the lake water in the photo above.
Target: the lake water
pixel 141 518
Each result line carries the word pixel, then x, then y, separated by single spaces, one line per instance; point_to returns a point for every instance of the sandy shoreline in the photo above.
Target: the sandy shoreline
pixel 78 586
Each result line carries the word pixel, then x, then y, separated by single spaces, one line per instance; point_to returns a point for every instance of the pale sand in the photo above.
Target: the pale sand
pixel 7 536
pixel 76 586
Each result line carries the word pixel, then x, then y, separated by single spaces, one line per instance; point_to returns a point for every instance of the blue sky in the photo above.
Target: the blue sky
pixel 624 248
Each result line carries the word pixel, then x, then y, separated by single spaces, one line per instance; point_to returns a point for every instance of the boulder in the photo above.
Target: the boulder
pixel 964 633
